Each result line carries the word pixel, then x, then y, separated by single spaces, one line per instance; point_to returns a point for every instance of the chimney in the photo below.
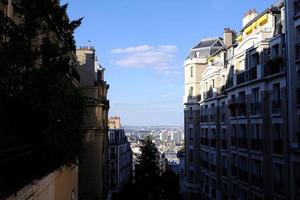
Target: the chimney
pixel 251 14
pixel 228 37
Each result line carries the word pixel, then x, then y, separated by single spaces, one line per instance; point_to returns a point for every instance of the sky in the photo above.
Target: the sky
pixel 142 44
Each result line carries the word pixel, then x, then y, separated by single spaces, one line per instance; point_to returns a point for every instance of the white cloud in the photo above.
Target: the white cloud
pixel 141 48
pixel 161 58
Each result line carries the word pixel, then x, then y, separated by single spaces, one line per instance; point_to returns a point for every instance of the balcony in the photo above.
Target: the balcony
pixel 274 66
pixel 243 175
pixel 213 143
pixel 19 166
pixel 296 9
pixel 257 144
pixel 278 146
pixel 229 82
pixel 112 156
pixel 223 114
pixel 276 106
pixel 204 115
pixel 204 141
pixel 234 171
pixel 242 143
pixel 298 96
pixel 205 164
pixel 297 51
pixel 204 118
pixel 221 90
pixel 247 75
pixel 224 171
pixel 278 186
pixel 213 168
pixel 224 144
pixel 213 116
pixel 241 109
pixel 112 172
pixel 256 108
pixel 233 107
pixel 233 141
pixel 258 181
pixel 209 94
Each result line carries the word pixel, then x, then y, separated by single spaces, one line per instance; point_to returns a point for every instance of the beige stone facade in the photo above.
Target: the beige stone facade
pixel 59 185
pixel 93 163
pixel 236 121
pixel 114 123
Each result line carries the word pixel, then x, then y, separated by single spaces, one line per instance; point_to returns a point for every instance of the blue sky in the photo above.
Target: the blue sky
pixel 143 44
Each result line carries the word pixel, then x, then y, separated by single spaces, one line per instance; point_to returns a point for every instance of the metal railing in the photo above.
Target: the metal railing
pixel 256 108
pixel 247 75
pixel 18 166
pixel 276 106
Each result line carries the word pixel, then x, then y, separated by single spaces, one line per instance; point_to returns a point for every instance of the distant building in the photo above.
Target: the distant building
pixel 114 123
pixel 164 136
pixel 93 163
pixel 176 137
pixel 120 160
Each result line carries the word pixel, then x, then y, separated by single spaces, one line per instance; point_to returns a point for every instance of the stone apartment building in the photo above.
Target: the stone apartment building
pixel 22 175
pixel 120 160
pixel 237 132
pixel 93 163
pixel 114 123
pixel 292 19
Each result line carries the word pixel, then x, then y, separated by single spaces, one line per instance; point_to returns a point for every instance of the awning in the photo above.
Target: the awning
pixel 254 25
pixel 239 38
pixel 263 19
pixel 210 59
pixel 248 30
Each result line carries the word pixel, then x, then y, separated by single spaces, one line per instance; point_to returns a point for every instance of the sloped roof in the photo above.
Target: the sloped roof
pixel 209 43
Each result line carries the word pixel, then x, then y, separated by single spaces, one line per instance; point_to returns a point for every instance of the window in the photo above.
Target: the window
pixel 223 134
pixel 277 172
pixel 191 155
pixel 275 50
pixel 213 83
pixel 243 163
pixel 191 111
pixel 191 174
pixel 257 167
pixel 191 134
pixel 254 59
pixel 191 91
pixel 277 139
pixel 276 92
pixel 255 95
pixel 192 71
pixel 256 131
pixel 242 97
pixel 242 194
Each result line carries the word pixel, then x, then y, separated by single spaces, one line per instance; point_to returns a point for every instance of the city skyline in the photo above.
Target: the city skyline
pixel 145 67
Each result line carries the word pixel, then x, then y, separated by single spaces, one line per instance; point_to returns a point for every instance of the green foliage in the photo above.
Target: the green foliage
pixel 33 72
pixel 148 183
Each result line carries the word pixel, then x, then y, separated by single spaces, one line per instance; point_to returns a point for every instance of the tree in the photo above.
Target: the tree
pixel 148 183
pixel 170 186
pixel 41 104
pixel 147 174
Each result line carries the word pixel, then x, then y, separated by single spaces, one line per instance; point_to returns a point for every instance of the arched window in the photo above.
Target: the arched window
pixel 191 91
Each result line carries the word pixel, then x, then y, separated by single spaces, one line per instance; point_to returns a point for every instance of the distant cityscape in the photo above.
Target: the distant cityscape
pixel 168 139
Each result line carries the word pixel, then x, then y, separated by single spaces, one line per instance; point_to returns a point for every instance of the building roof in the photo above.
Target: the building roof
pixel 209 43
